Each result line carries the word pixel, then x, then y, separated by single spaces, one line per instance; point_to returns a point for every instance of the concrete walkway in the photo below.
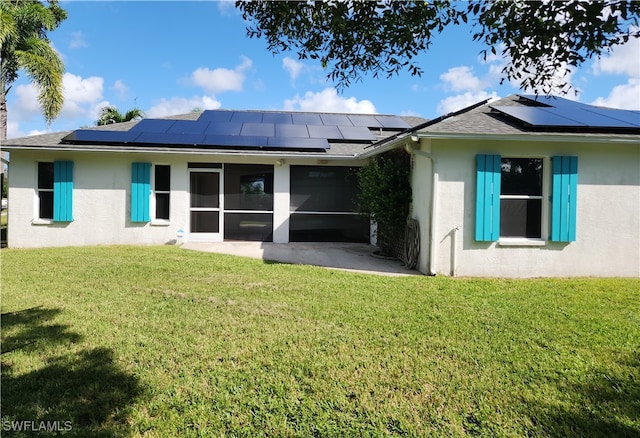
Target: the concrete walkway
pixel 356 257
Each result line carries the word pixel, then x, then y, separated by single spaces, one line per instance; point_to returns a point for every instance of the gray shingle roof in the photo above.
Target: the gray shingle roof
pixel 485 121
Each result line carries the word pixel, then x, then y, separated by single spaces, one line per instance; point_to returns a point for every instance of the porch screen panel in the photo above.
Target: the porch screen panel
pixel 324 205
pixel 248 202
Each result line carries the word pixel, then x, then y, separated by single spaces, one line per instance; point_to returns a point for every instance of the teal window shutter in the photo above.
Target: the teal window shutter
pixel 563 198
pixel 63 191
pixel 140 192
pixel 488 198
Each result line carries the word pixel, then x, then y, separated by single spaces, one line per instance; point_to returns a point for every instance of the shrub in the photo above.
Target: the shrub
pixel 385 195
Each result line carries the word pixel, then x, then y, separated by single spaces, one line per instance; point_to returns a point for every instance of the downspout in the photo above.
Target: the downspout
pixel 432 217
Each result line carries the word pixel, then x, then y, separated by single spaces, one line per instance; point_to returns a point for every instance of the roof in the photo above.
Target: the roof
pixel 348 147
pixel 493 120
pixel 514 117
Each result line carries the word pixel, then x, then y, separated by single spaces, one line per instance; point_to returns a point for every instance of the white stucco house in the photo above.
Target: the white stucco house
pixel 520 187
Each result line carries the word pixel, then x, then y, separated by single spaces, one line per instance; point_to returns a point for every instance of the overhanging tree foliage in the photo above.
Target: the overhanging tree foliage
pixel 24 46
pixel 352 38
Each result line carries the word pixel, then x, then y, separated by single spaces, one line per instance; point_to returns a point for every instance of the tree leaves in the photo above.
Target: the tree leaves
pixel 539 40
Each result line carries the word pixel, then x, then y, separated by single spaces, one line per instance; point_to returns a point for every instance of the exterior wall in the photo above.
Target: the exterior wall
pixel 608 213
pixel 102 204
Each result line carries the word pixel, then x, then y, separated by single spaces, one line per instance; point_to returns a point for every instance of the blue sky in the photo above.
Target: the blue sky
pixel 171 57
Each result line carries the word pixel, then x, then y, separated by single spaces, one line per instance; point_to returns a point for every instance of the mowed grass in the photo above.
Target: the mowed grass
pixel 160 341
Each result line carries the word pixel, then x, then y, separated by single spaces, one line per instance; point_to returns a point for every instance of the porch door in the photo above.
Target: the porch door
pixel 205 202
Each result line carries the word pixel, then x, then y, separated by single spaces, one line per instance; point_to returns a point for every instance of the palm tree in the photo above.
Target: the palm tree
pixel 110 114
pixel 24 46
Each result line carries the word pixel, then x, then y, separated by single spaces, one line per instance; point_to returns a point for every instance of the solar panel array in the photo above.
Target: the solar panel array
pixel 248 129
pixel 554 112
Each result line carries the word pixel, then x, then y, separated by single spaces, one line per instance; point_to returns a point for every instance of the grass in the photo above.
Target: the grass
pixel 159 341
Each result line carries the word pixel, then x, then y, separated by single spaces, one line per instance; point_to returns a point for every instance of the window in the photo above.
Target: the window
pixel 55 191
pixel 141 205
pixel 45 190
pixel 162 190
pixel 511 193
pixel 521 197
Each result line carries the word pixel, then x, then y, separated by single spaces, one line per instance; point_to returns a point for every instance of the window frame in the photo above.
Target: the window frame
pixel 544 209
pixel 38 219
pixel 155 220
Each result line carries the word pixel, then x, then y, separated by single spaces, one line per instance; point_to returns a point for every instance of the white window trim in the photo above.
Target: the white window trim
pixel 156 222
pixel 545 219
pixel 37 220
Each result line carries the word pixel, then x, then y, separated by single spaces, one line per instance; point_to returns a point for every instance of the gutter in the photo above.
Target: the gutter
pixel 530 137
pixel 187 152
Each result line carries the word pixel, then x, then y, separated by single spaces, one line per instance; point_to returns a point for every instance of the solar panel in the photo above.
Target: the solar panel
pixel 327 132
pixel 364 120
pixel 266 129
pixel 189 126
pixel 590 118
pixel 306 119
pixel 554 101
pixel 356 133
pixel 291 130
pixel 537 116
pixel 284 118
pixel 97 136
pixel 392 122
pixel 223 128
pixel 246 117
pixel 573 115
pixel 153 125
pixel 161 138
pixel 235 140
pixel 335 119
pixel 627 117
pixel 298 143
pixel 216 116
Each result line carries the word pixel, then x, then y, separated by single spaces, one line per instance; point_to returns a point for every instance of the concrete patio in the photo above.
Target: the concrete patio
pixel 355 257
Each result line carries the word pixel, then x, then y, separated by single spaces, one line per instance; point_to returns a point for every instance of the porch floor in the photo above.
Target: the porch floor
pixel 357 257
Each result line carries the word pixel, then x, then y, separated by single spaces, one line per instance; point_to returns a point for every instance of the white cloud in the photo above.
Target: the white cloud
pixel 461 78
pixel 455 103
pixel 77 41
pixel 25 105
pixel 181 105
pixel 13 128
pixel 120 88
pixel 81 95
pixel 293 67
pixel 227 7
pixel 221 79
pixel 625 96
pixel 623 59
pixel 328 100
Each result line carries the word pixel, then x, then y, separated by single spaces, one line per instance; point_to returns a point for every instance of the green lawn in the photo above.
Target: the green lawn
pixel 163 342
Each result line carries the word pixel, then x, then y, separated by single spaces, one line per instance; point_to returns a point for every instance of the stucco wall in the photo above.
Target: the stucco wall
pixel 608 212
pixel 101 198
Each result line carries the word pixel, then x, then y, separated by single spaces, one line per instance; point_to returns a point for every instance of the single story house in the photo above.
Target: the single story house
pixel 524 186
